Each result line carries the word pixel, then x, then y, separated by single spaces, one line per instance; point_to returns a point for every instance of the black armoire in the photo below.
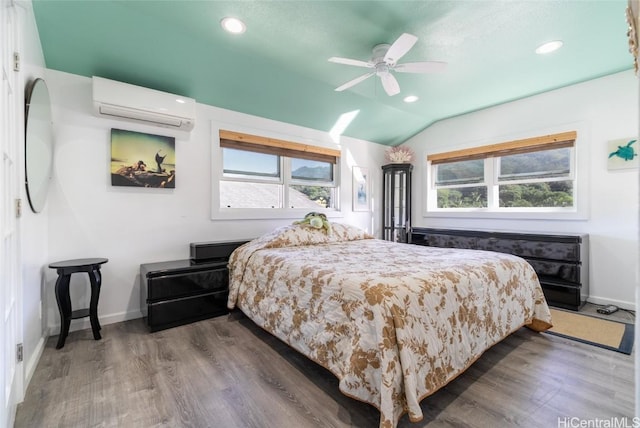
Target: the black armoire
pixel 396 202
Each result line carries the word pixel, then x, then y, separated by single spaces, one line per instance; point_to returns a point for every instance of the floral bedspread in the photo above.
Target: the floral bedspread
pixel 394 322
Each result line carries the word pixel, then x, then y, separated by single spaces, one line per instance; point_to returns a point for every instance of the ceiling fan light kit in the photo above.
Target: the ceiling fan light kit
pixel 384 61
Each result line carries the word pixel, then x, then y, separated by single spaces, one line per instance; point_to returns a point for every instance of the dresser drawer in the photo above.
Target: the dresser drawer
pixel 178 292
pixel 185 284
pixel 564 297
pixel 565 251
pixel 445 241
pixel 559 271
pixel 171 313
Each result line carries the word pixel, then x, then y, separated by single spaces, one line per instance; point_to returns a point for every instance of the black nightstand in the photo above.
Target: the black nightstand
pixel 180 292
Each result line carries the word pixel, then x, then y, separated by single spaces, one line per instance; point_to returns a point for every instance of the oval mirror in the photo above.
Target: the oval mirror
pixel 38 143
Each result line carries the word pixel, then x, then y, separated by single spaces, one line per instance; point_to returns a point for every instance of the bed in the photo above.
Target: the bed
pixel 393 322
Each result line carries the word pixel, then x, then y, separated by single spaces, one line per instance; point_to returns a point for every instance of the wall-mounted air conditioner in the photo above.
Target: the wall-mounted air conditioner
pixel 124 101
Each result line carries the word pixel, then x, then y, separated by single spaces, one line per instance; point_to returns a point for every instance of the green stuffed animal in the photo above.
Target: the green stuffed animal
pixel 315 220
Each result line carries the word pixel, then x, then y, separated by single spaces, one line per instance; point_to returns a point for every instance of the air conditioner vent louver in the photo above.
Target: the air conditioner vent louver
pixel 106 110
pixel 134 103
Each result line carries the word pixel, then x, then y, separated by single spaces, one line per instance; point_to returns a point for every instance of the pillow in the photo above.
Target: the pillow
pixel 302 234
pixel 286 236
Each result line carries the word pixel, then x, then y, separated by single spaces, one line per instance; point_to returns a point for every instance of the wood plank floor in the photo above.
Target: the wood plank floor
pixel 227 372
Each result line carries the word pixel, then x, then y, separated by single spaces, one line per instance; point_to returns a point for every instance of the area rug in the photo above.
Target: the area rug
pixel 613 335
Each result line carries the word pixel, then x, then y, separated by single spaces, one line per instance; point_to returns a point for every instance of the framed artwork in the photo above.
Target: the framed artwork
pixel 142 160
pixel 360 189
pixel 633 19
pixel 622 154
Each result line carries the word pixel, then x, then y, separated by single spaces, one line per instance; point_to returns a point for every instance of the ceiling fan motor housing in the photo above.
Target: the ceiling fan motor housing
pixel 379 51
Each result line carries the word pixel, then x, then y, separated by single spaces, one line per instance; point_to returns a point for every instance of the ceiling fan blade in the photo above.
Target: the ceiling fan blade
pixel 399 48
pixel 390 84
pixel 421 67
pixel 354 82
pixel 348 61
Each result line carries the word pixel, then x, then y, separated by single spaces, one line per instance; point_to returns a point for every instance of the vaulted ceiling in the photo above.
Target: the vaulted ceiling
pixel 279 67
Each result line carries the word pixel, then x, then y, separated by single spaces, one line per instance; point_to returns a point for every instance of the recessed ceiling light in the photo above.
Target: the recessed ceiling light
pixel 233 25
pixel 180 100
pixel 549 47
pixel 410 99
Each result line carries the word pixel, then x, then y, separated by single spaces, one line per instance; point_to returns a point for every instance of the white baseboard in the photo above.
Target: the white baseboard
pixel 85 323
pixel 30 368
pixel 619 303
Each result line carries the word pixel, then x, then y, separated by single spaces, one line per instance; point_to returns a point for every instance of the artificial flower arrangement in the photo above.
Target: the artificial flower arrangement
pixel 316 220
pixel 399 154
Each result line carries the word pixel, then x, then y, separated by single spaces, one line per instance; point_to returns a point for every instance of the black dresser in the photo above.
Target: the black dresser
pixel 561 261
pixel 179 292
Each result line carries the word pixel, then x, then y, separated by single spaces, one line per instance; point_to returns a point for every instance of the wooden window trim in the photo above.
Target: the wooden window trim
pixel 527 145
pixel 256 143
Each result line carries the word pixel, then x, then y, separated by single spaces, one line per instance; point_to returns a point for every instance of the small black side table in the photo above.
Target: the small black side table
pixel 65 269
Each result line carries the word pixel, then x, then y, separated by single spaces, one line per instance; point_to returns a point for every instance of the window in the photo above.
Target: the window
pixel 311 180
pixel 238 163
pixel 264 173
pixel 461 184
pixel 532 174
pixel 537 179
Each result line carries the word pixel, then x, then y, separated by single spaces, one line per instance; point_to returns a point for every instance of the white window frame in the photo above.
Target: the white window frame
pixel 285 180
pixel 579 211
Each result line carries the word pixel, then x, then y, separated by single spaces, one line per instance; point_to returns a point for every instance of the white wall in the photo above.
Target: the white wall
pixel 601 110
pixel 90 218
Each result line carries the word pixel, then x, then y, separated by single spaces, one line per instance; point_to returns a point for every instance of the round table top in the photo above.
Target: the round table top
pixel 78 263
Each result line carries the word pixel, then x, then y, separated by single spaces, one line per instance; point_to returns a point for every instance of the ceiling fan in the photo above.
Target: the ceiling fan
pixel 384 61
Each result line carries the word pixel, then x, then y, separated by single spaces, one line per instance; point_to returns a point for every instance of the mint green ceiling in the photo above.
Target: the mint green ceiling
pixel 278 69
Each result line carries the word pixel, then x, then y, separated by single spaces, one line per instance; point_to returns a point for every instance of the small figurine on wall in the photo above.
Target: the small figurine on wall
pixel 622 154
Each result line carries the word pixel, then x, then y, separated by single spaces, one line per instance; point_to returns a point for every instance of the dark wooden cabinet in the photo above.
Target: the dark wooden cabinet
pixel 561 261
pixel 396 202
pixel 179 292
